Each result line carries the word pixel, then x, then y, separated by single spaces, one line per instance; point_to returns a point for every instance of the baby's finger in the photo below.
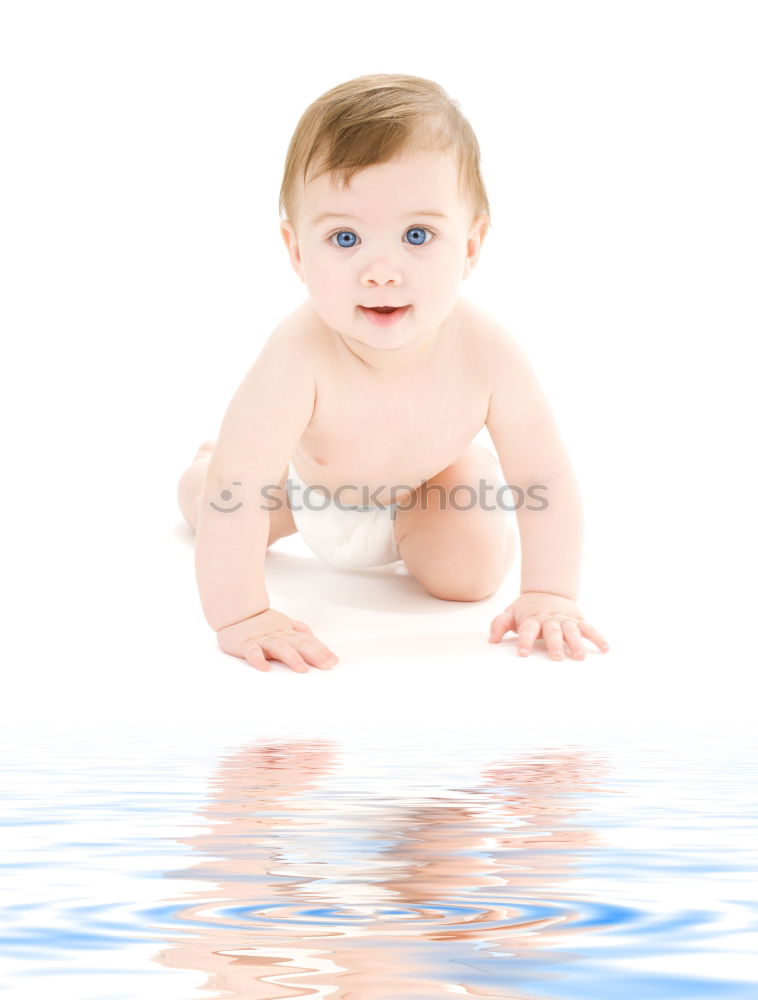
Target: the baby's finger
pixel 254 656
pixel 574 639
pixel 527 633
pixel 591 633
pixel 500 625
pixel 317 654
pixel 552 633
pixel 280 649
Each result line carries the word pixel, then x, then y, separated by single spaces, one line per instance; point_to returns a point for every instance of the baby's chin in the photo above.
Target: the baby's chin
pixel 359 325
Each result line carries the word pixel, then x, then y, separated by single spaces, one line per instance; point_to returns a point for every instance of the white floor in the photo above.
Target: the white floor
pixel 108 635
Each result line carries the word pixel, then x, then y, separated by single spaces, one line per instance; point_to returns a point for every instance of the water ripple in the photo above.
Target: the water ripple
pixel 551 874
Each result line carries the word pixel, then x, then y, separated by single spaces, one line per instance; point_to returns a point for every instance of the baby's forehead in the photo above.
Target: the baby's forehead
pixel 431 183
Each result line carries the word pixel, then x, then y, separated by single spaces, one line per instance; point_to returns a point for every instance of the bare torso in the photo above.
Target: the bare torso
pixel 391 432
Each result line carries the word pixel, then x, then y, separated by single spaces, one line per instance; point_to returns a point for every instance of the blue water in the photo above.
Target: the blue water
pixel 302 867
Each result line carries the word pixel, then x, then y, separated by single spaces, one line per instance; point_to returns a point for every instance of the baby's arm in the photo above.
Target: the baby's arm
pixel 532 454
pixel 261 428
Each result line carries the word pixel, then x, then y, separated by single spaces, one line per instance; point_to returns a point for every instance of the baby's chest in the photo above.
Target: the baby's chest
pixel 411 427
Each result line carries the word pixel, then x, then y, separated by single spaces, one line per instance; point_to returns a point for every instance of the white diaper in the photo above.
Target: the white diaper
pixel 342 536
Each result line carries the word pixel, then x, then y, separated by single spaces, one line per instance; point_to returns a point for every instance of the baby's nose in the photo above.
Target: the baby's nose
pixel 381 272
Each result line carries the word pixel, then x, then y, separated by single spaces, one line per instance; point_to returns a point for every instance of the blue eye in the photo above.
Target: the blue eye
pixel 347 239
pixel 344 233
pixel 417 232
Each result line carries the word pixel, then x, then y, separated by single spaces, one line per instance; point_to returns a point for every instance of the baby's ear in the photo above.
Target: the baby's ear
pixel 290 241
pixel 479 228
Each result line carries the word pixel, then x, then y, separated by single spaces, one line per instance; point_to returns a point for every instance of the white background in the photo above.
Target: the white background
pixel 142 270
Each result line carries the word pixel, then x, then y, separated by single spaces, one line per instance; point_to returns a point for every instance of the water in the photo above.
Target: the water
pixel 314 867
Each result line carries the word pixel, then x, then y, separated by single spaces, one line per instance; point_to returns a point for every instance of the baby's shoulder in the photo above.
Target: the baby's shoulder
pixel 300 334
pixel 485 336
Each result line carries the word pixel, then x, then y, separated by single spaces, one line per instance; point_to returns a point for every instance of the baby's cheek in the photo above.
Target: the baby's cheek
pixel 322 284
pixel 333 298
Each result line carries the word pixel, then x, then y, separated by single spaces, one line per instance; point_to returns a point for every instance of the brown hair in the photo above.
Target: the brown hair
pixel 372 119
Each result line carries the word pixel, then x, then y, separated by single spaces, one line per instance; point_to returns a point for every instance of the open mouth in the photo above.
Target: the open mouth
pixel 384 315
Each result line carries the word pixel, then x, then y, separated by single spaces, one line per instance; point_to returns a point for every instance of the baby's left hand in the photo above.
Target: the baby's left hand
pixel 557 618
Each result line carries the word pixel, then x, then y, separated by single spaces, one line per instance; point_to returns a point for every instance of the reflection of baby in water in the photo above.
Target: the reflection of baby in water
pixel 457 869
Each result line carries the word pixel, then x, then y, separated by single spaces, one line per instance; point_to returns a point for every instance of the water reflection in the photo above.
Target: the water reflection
pixel 310 883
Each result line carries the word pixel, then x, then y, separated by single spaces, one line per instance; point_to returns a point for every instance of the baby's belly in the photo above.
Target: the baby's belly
pixel 368 480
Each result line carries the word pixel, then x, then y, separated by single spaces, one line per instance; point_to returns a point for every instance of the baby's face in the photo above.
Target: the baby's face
pixel 404 237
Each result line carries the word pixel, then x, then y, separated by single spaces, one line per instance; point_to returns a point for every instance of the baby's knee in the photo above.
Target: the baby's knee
pixel 475 588
pixel 466 575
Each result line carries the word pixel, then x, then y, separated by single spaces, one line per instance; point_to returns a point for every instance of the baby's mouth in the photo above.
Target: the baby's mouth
pixel 384 315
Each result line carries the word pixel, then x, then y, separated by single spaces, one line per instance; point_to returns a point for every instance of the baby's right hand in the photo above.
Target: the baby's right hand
pixel 270 635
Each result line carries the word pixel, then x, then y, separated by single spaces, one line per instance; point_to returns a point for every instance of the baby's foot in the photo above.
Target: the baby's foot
pixel 204 450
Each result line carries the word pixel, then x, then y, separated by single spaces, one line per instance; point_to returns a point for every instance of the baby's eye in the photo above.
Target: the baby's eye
pixel 342 236
pixel 347 239
pixel 416 237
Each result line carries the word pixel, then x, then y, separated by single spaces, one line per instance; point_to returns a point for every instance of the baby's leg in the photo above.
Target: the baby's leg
pixel 190 489
pixel 457 554
pixel 192 485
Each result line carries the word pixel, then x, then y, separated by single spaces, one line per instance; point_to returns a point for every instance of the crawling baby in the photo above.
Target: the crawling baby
pixel 355 424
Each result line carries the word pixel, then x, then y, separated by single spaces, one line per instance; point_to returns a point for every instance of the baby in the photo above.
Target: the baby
pixel 355 424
